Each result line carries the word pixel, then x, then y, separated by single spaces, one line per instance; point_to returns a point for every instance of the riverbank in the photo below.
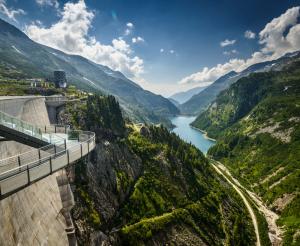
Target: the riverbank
pixel 204 133
pixel 190 134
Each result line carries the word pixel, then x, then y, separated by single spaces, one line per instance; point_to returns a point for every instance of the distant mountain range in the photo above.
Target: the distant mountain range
pixel 182 97
pixel 36 60
pixel 199 102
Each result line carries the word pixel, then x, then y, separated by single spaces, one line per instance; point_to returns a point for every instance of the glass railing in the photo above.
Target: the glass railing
pixel 21 170
pixel 40 132
pixel 19 125
pixel 65 147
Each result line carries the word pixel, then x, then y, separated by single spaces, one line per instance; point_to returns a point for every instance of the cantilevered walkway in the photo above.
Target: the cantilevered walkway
pixel 57 147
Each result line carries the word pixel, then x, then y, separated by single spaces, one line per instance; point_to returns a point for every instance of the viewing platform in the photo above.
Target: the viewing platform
pixel 56 147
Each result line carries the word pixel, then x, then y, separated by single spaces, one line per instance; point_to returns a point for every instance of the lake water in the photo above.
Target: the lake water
pixel 187 133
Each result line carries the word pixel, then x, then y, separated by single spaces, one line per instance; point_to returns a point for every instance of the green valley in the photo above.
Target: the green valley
pixel 158 188
pixel 257 124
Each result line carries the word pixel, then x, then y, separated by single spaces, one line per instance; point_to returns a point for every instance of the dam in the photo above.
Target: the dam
pixel 35 195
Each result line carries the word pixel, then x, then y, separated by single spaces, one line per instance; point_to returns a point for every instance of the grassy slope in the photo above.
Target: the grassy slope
pixel 257 123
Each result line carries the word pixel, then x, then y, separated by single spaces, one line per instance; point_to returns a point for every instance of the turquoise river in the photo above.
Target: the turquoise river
pixel 189 134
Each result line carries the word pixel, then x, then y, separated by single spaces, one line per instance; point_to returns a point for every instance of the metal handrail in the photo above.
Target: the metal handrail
pixel 18 124
pixel 21 168
pixel 65 147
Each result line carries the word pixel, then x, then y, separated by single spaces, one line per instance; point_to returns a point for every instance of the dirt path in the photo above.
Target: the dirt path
pixel 275 232
pixel 251 212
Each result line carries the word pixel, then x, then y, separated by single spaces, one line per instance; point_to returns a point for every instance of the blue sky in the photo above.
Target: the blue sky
pixel 166 46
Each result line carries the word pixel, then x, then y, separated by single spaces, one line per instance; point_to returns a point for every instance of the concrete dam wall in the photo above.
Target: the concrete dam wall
pixel 33 215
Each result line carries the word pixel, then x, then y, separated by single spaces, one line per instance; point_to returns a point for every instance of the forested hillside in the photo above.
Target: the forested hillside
pixel 257 125
pixel 145 186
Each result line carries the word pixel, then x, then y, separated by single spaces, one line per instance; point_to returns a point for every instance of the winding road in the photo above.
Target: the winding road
pixel 275 232
pixel 251 212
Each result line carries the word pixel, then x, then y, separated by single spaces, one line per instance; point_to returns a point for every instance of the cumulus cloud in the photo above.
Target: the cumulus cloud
pixel 71 34
pixel 208 75
pixel 137 40
pixel 52 3
pixel 249 34
pixel 227 42
pixel 10 12
pixel 172 51
pixel 280 36
pixel 161 50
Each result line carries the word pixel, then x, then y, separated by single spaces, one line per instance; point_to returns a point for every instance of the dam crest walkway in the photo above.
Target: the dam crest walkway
pixel 54 147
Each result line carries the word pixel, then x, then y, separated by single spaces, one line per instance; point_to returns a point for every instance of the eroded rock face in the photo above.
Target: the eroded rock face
pixel 111 172
pixel 108 165
pixel 31 216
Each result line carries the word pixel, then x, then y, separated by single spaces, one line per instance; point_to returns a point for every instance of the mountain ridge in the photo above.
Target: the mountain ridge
pixel 199 102
pixel 182 97
pixel 38 60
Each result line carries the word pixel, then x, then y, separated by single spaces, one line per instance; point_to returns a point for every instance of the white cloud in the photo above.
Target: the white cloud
pixel 53 3
pixel 208 75
pixel 249 34
pixel 71 34
pixel 137 40
pixel 161 50
pixel 172 51
pixel 280 36
pixel 121 45
pixel 230 52
pixel 129 28
pixel 227 42
pixel 10 12
pixel 129 25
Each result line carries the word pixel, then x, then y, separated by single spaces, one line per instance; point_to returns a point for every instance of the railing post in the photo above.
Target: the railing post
pixel 65 142
pixel 55 128
pixel 45 128
pixel 51 169
pixel 54 149
pixel 28 175
pixel 19 162
pixel 68 156
pixel 88 142
pixel 39 151
pixel 81 149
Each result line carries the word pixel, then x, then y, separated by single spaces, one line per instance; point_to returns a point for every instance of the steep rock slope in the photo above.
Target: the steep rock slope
pixel 145 186
pixel 200 102
pixel 31 216
pixel 257 124
pixel 36 60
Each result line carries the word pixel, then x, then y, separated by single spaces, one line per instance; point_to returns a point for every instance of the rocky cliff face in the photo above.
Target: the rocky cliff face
pixel 107 181
pixel 31 216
